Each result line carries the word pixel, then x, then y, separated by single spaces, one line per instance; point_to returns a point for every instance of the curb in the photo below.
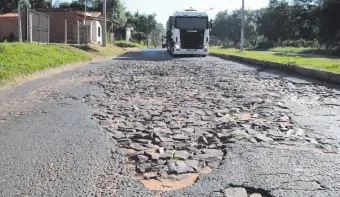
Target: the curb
pixel 325 76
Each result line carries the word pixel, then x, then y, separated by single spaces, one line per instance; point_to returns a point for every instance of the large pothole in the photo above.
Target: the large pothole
pixel 175 121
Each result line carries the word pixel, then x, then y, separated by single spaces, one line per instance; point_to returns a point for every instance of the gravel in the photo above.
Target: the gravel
pixel 195 110
pixel 257 133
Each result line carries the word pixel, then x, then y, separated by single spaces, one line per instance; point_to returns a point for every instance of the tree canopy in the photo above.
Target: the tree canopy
pixel 283 23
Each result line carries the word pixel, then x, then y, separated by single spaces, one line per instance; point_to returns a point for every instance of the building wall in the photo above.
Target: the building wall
pixel 98 32
pixel 57 26
pixel 8 25
pixel 128 34
pixel 92 29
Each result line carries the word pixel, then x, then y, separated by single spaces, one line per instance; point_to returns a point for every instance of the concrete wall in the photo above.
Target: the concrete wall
pixel 8 25
pixel 57 26
pixel 98 37
pixel 128 34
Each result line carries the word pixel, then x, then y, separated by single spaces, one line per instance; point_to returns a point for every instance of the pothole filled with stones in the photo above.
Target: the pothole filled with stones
pixel 174 122
pixel 239 191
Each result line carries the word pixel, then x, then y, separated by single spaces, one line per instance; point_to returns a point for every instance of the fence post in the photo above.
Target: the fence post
pixel 30 29
pixel 78 31
pixel 48 29
pixel 19 23
pixel 39 33
pixel 65 31
pixel 27 24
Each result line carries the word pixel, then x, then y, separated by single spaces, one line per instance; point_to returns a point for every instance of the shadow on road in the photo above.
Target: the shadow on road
pixel 163 55
pixel 146 55
pixel 150 55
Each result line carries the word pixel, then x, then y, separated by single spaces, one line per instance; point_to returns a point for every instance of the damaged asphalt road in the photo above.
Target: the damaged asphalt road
pixel 146 124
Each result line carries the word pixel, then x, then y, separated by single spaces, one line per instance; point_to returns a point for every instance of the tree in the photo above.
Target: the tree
pixel 329 31
pixel 65 5
pixel 7 5
pixel 143 24
pixel 156 36
pixel 221 25
pixel 227 27
pixel 39 3
pixel 114 9
pixel 76 5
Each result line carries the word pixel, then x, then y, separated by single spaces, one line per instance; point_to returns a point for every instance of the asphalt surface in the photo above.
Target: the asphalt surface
pixel 51 144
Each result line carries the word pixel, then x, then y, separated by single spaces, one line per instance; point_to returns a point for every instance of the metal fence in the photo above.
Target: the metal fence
pixel 53 26
pixel 38 27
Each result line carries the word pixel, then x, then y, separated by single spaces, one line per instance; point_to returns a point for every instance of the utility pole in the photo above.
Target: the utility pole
pixel 19 22
pixel 138 35
pixel 87 27
pixel 147 32
pixel 85 12
pixel 242 27
pixel 104 24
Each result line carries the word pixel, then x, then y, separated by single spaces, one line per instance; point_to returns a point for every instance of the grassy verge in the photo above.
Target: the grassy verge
pixel 306 50
pixel 293 50
pixel 125 44
pixel 94 51
pixel 327 64
pixel 22 59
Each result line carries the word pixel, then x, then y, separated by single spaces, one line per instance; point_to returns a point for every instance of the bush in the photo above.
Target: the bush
pixel 125 44
pixel 10 38
pixel 301 43
pixel 264 45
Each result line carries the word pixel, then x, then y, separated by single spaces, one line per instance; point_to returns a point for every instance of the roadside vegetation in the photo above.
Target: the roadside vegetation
pixel 125 44
pixel 326 64
pixel 295 26
pixel 302 50
pixel 295 32
pixel 307 51
pixel 22 59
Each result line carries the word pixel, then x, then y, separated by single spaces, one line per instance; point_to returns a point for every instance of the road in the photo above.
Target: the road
pixel 146 124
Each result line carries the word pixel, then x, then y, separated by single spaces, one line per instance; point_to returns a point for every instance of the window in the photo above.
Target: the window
pixel 98 31
pixel 192 23
pixel 81 22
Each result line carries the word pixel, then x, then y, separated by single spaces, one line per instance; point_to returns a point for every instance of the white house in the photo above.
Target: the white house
pixel 94 21
pixel 128 34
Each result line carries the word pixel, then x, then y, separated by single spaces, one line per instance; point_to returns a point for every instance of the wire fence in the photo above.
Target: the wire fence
pixel 51 26
pixel 38 27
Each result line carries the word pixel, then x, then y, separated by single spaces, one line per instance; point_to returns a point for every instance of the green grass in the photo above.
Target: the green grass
pixel 307 50
pixel 94 50
pixel 327 64
pixel 125 44
pixel 292 49
pixel 22 59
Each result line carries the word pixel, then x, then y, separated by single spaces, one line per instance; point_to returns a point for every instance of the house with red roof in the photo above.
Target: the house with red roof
pixel 61 20
pixel 9 26
pixel 90 23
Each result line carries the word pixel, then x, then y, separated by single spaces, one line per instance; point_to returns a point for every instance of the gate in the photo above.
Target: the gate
pixel 38 27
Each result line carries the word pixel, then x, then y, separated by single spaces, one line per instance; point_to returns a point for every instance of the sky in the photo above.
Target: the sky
pixel 165 8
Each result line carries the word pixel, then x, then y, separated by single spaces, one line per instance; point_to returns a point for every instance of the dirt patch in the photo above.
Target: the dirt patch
pixel 168 185
pixel 131 49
